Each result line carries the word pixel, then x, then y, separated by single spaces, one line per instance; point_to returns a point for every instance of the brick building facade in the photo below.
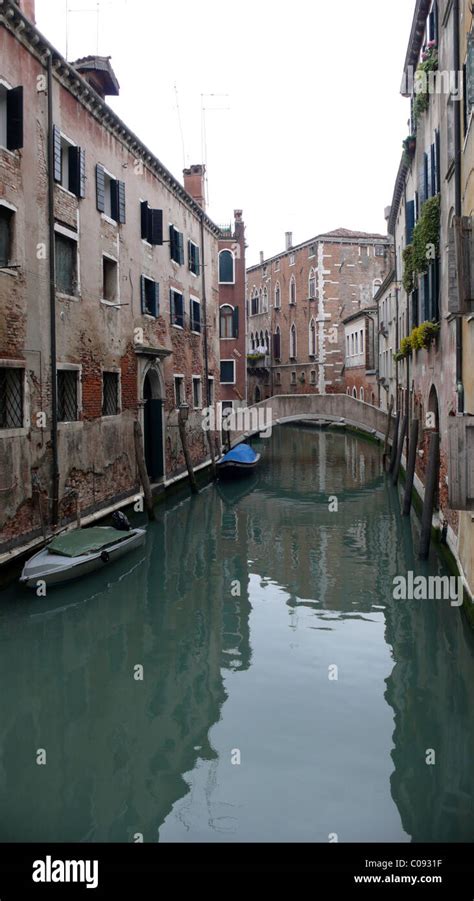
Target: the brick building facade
pixel 134 261
pixel 296 303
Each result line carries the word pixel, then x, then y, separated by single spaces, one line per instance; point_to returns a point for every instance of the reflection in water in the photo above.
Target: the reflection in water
pixel 244 598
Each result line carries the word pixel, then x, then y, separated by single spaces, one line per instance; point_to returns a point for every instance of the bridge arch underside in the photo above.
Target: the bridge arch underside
pixel 338 409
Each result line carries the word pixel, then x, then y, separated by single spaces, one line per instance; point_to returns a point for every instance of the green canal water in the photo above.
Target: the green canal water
pixel 240 607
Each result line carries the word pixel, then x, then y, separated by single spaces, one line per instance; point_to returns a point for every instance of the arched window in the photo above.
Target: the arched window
pixel 252 342
pixel 265 300
pixel 226 320
pixel 354 393
pixel 277 344
pixel 267 342
pixel 260 302
pixel 254 305
pixel 292 294
pixel 277 296
pixel 312 284
pixel 293 342
pixel 312 338
pixel 226 267
pixel 376 285
pixel 362 394
pixel 348 391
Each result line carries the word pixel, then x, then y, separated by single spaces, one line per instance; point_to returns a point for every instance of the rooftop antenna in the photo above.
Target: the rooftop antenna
pixel 180 124
pixel 205 109
pixel 95 9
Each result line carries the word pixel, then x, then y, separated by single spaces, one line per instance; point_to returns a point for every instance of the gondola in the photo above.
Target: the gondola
pixel 238 462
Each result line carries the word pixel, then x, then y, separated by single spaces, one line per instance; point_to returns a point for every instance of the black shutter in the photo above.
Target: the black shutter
pixel 121 201
pixel 181 247
pixel 114 200
pixel 235 322
pixel 179 310
pixel 197 260
pixel 144 219
pixel 190 256
pixel 172 243
pixel 15 118
pixel 438 162
pixel 77 171
pixel 410 220
pixel 58 159
pixel 142 294
pixel 156 298
pixel 426 177
pixel 172 305
pixel 433 170
pixel 155 227
pixel 100 187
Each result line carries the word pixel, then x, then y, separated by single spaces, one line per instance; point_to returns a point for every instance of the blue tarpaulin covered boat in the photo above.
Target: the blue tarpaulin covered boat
pixel 237 462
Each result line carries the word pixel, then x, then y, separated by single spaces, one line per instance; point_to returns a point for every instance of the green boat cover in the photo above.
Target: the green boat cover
pixel 85 541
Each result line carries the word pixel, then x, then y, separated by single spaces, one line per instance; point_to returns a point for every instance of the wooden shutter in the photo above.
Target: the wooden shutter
pixel 100 187
pixel 121 201
pixel 190 256
pixel 461 462
pixel 144 219
pixel 197 260
pixel 410 220
pixel 172 296
pixel 453 290
pixel 464 256
pixel 433 170
pixel 142 294
pixel 156 298
pixel 235 322
pixel 77 171
pixel 172 243
pixel 426 177
pixel 155 227
pixel 15 118
pixel 57 156
pixel 438 162
pixel 181 247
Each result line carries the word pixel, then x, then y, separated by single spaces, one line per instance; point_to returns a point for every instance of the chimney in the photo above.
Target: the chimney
pixel 261 257
pixel 194 183
pixel 28 9
pixel 288 240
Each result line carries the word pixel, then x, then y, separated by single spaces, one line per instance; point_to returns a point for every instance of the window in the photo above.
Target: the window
pixel 348 349
pixel 11 397
pixel 292 259
pixel 312 338
pixel 193 257
pixel 210 390
pixel 356 343
pixel 277 265
pixel 6 235
pixel 312 250
pixel 176 245
pixel 277 296
pixel 11 117
pixel 252 342
pixel 195 314
pixel 312 285
pixel 354 393
pixel 254 305
pixel 362 394
pixel 227 372
pixel 293 378
pixel 226 267
pixel 110 195
pixel 110 394
pixel 265 300
pixel 469 78
pixel 293 342
pixel 292 296
pixel 362 341
pixel 313 377
pixel 278 378
pixel 277 344
pixel 379 250
pixel 229 321
pixel 66 264
pixel 67 395
pixel 267 342
pixel 69 164
pixel 151 222
pixel 265 271
pixel 227 407
pixel 179 392
pixel 109 279
pixel 177 308
pixel 197 399
pixel 149 296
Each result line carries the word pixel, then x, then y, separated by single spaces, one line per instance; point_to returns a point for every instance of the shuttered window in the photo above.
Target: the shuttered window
pixel 177 308
pixel 195 314
pixel 66 264
pixel 110 195
pixel 226 267
pixel 11 117
pixel 151 224
pixel 193 257
pixel 69 164
pixel 410 220
pixel 176 245
pixel 150 296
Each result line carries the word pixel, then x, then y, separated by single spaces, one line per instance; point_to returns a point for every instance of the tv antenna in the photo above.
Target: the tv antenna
pixel 204 110
pixel 96 10
pixel 180 124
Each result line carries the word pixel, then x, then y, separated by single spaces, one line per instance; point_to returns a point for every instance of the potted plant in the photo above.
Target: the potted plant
pixel 409 145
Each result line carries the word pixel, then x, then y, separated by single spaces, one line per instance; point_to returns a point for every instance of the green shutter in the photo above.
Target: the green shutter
pixel 470 71
pixel 144 219
pixel 57 155
pixel 235 322
pixel 100 187
pixel 121 201
pixel 155 227
pixel 142 293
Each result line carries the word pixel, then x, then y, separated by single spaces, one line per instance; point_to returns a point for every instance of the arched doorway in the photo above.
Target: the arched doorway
pixel 258 395
pixel 153 425
pixel 432 416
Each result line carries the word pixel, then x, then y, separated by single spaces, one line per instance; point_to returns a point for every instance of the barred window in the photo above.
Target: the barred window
pixel 67 395
pixel 11 398
pixel 110 394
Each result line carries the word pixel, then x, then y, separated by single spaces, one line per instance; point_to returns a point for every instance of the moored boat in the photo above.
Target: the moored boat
pixel 74 554
pixel 239 461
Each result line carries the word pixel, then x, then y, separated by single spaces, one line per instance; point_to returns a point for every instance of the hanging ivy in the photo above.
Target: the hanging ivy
pixel 422 96
pixel 425 242
pixel 409 273
pixel 420 337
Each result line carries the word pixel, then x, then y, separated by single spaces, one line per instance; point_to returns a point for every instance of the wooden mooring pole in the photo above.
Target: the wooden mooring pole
pixel 431 484
pixel 140 457
pixel 393 454
pixel 187 455
pixel 401 442
pixel 387 434
pixel 410 476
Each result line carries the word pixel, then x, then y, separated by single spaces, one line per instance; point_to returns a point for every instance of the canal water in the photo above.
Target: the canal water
pixel 286 696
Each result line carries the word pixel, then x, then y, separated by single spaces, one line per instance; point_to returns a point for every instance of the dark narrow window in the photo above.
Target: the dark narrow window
pixel 177 308
pixel 226 267
pixel 110 393
pixel 179 390
pixel 6 235
pixel 193 257
pixel 66 265
pixel 176 245
pixel 226 319
pixel 197 402
pixel 110 195
pixel 150 296
pixel 210 390
pixel 410 220
pixel 227 372
pixel 109 279
pixel 67 395
pixel 151 224
pixel 11 398
pixel 11 117
pixel 195 315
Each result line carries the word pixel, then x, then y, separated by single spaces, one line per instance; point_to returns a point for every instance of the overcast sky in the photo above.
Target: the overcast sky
pixel 308 135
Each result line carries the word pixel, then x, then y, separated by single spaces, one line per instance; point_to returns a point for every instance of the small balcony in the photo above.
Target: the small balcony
pixel 258 361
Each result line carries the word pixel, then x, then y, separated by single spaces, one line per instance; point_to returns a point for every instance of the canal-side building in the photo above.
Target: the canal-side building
pixel 360 336
pixel 387 341
pixel 130 329
pixel 297 302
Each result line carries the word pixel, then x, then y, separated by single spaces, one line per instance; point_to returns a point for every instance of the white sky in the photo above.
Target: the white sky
pixel 311 139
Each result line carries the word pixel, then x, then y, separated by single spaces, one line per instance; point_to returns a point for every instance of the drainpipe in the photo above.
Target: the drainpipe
pixel 52 302
pixel 457 201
